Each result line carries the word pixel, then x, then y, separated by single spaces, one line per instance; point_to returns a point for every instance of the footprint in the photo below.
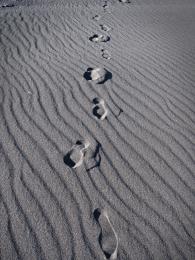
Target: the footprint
pixel 125 1
pixel 105 54
pixel 108 238
pixel 96 156
pixel 96 17
pixel 98 100
pixel 105 27
pixel 99 108
pixel 105 6
pixel 74 158
pixel 99 38
pixel 7 5
pixel 98 75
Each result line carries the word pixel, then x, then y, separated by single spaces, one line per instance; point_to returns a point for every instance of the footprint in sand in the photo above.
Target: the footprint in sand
pixel 105 54
pixel 105 6
pixel 108 238
pixel 74 158
pixel 96 156
pixel 7 5
pixel 97 75
pixel 96 17
pixel 99 108
pixel 125 1
pixel 105 27
pixel 99 38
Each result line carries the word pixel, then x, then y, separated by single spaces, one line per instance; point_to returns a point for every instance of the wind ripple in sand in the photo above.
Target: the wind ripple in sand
pixel 143 164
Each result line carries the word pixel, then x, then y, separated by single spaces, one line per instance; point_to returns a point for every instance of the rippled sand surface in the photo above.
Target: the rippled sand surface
pixel 139 165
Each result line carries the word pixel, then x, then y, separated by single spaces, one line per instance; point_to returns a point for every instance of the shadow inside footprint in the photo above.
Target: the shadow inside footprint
pixel 74 158
pixel 68 161
pixel 87 74
pixel 108 238
pixel 97 101
pixel 93 37
pixel 97 213
pixel 105 5
pixel 98 111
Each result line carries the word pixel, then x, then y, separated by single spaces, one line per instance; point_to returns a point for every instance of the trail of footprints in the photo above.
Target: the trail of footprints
pixel 108 238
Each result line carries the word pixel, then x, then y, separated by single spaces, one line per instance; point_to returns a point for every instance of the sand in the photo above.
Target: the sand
pixel 140 165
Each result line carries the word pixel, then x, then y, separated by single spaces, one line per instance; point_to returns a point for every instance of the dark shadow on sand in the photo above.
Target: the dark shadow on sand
pixel 68 161
pixel 96 111
pixel 96 214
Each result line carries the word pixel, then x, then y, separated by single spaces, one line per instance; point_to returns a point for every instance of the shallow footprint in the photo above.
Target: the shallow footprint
pixel 7 5
pixel 105 54
pixel 105 6
pixel 96 17
pixel 99 38
pixel 125 1
pixel 98 75
pixel 74 158
pixel 105 27
pixel 108 238
pixel 99 108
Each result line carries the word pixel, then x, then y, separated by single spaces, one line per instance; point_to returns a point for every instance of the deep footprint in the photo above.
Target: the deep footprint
pixel 74 158
pixel 98 75
pixel 108 238
pixel 99 108
pixel 99 38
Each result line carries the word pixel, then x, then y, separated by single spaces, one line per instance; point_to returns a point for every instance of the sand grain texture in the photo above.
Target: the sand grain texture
pixel 141 163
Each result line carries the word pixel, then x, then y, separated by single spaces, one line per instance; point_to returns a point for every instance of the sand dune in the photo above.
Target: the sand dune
pixel 140 165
